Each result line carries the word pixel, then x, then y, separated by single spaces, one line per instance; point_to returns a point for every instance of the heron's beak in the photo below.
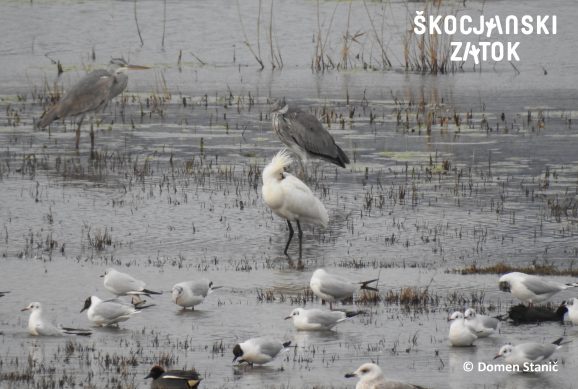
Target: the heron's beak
pixel 137 67
pixel 287 318
pixel 101 276
pixel 148 376
pixel 497 356
pixel 24 309
pixel 216 287
pixel 350 375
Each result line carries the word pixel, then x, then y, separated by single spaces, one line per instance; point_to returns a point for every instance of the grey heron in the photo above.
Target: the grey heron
pixel 304 134
pixel 90 95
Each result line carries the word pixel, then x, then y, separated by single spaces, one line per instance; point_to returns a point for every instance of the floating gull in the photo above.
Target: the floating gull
pixel 460 334
pixel 38 325
pixel 531 289
pixel 371 377
pixel 122 284
pixel 317 319
pixel 190 293
pixel 108 312
pixel 481 325
pixel 531 352
pixel 331 287
pixel 259 350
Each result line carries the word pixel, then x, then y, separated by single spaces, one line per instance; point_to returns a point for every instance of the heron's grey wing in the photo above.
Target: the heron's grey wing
pixel 89 94
pixel 111 309
pixel 536 351
pixel 308 132
pixel 336 286
pixel 125 283
pixel 539 286
pixel 118 86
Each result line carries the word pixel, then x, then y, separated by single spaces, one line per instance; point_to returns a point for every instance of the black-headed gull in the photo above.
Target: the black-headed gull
pixel 371 377
pixel 259 351
pixel 318 319
pixel 332 288
pixel 190 293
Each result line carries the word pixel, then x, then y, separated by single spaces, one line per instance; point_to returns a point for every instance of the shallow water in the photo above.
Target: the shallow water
pixel 177 190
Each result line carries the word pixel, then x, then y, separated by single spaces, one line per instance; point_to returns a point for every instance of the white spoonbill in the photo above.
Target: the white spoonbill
pixel 289 198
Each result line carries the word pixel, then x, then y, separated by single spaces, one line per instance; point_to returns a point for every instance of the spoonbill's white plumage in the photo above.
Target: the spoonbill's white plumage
pixel 289 198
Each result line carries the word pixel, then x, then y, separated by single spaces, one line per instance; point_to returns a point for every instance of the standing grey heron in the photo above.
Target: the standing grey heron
pixel 90 95
pixel 304 134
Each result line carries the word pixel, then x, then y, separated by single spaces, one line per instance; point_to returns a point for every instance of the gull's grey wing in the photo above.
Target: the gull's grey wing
pixel 396 385
pixel 45 328
pixel 488 322
pixel 336 286
pixel 124 283
pixel 537 352
pixel 111 309
pixel 307 132
pixel 539 286
pixel 269 346
pixel 199 288
pixel 325 318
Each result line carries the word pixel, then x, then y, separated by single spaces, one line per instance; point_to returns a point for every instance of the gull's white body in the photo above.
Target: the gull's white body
pixel 460 334
pixel 122 284
pixel 482 325
pixel 316 319
pixel 532 289
pixel 371 377
pixel 288 197
pixel 38 325
pixel 109 312
pixel 261 350
pixel 331 287
pixel 191 293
